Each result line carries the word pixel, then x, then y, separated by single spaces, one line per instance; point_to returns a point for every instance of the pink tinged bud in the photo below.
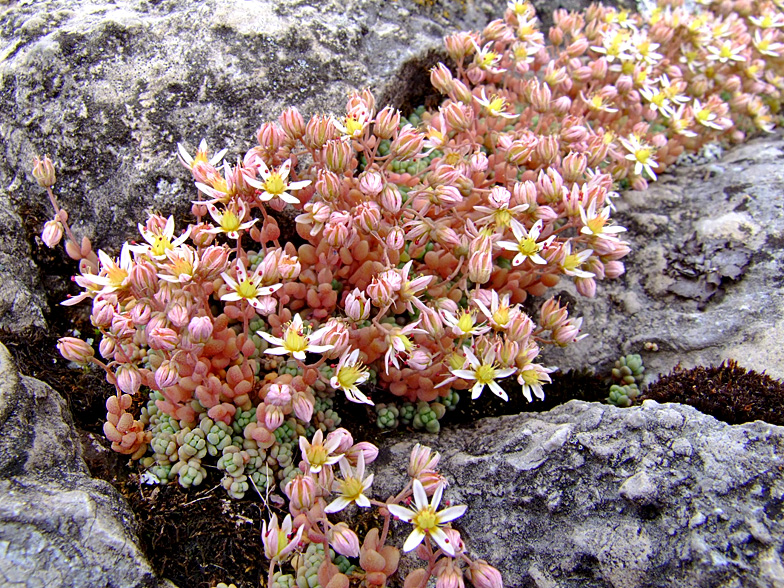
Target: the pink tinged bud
pixel 52 233
pixel 422 459
pixel 273 417
pixel 499 197
pixel 103 312
pixel 567 333
pixel 556 36
pixel 524 193
pixel 337 335
pixel 75 350
pixel 140 314
pixel 344 437
pixel 301 492
pixel 574 166
pixel 562 105
pixel 480 265
pixel 328 184
pixel 574 134
pixel 214 261
pixel 303 407
pixel 178 315
pixel 483 575
pixel 391 200
pixel 449 575
pixel 162 338
pixel 387 122
pixel 344 541
pixel 371 183
pixel 166 375
pixel 270 138
pixel 106 348
pixel 431 481
pixel 292 123
pixel 441 78
pixel 457 116
pixel 337 155
pixel 368 450
pixel 43 172
pixel 613 269
pixel 578 47
pixel 318 131
pixel 357 305
pixel 200 328
pixel 396 239
pixel 143 280
pixel 278 395
pixel 408 144
pixel 460 45
pixel 624 84
pixel 128 378
pixel 419 359
pixel 368 216
pixel 461 93
pixel 586 286
pixel 478 162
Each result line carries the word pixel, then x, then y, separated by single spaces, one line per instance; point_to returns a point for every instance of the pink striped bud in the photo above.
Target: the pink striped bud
pixel 367 216
pixel 461 93
pixel 387 122
pixel 103 312
pixel 431 322
pixel 371 183
pixel 598 68
pixel 548 149
pixel 178 315
pixel 396 239
pixel 624 84
pixel 567 332
pixel 460 45
pixel 552 315
pixel 613 269
pixel 140 314
pixel 441 78
pixel 106 348
pixel 52 233
pixel 339 231
pixel 273 417
pixel 419 359
pixel 357 305
pixel 345 440
pixel 337 335
pixel 578 47
pixel 337 155
pixel 199 234
pixel 344 541
pixel 391 200
pixel 518 152
pixel 561 105
pixel 422 459
pixel 361 102
pixel 448 575
pixel 368 451
pixel 301 492
pixel 128 378
pixel 556 36
pixel 75 350
pixel 143 280
pixel 303 406
pixel 278 395
pixel 200 328
pixel 524 193
pixel 328 184
pixel 43 172
pixel 586 286
pixel 520 327
pixel 270 138
pixel 447 196
pixel 457 116
pixel 574 134
pixel 574 166
pixel 478 162
pixel 162 338
pixel 318 131
pixel 431 481
pixel 540 96
pixel 292 123
pixel 482 575
pixel 166 375
pixel 499 197
pixel 214 261
pixel 289 267
pixel 408 144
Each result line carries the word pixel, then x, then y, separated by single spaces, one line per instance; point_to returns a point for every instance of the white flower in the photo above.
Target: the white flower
pixel 526 246
pixel 246 287
pixel 159 242
pixel 318 453
pixel 352 487
pixel 485 373
pixel 426 519
pixel 348 374
pixel 275 183
pixel 296 340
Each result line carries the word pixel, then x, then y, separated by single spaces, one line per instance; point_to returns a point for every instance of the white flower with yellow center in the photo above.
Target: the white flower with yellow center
pixel 484 373
pixel 348 374
pixel 230 220
pixel 464 323
pixel 527 246
pixel 571 262
pixel 500 313
pixel 495 105
pixel 319 454
pixel 247 287
pixel 159 242
pixel 641 154
pixel 531 377
pixel 427 521
pixel 595 223
pixel 114 275
pixel 276 184
pixel 352 487
pixel 296 340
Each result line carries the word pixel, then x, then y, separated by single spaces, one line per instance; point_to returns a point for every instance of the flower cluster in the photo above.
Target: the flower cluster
pixel 417 242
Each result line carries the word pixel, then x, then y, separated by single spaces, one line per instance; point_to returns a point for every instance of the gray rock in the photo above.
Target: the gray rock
pixel 58 526
pixel 703 280
pixel 593 495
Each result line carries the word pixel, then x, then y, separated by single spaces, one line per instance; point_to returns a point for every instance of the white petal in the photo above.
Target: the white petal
pixel 413 541
pixel 338 504
pixel 420 496
pixel 404 514
pixel 498 391
pixel 442 540
pixel 363 501
pixel 450 514
pixel 436 500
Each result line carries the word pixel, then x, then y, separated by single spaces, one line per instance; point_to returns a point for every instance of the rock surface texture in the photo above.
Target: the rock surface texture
pixel 704 277
pixel 593 495
pixel 58 526
pixel 108 90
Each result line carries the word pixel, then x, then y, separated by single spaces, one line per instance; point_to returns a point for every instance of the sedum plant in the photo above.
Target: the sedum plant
pixel 418 240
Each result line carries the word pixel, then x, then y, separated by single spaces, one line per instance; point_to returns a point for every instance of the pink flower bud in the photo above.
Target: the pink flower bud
pixel 140 314
pixel 345 438
pixel 357 305
pixel 396 239
pixel 368 451
pixel 578 47
pixel 567 332
pixel 303 406
pixel 562 105
pixel 478 162
pixel 480 265
pixel 52 233
pixel 337 155
pixel 75 350
pixel 460 45
pixel 143 280
pixel 178 315
pixel 301 492
pixel 431 481
pixel 214 261
pixel 457 116
pixel 270 137
pixel 499 197
pixel 273 417
pixel 523 193
pixel 422 459
pixel 408 144
pixel 106 348
pixel 419 359
pixel 367 216
pixel 166 375
pixel 292 123
pixel 613 269
pixel 337 335
pixel 344 541
pixel 318 131
pixel 103 312
pixel 431 322
pixel 586 286
pixel 128 378
pixel 328 184
pixel 278 395
pixel 200 328
pixel 162 338
pixel 387 122
pixel 574 166
pixel 483 575
pixel 441 78
pixel 371 183
pixel 448 575
pixel 43 171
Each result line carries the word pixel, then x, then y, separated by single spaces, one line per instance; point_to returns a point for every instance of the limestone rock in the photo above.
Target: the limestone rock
pixel 593 495
pixel 58 526
pixel 703 279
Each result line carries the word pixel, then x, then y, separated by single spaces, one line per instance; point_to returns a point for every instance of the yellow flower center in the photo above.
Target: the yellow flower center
pixel 160 245
pixel 487 59
pixel 229 221
pixel 485 374
pixel 642 155
pixel 530 377
pixel 425 520
pixel 501 316
pixel 528 247
pixel 247 289
pixel 317 455
pixel 351 488
pixel 349 375
pixel 353 126
pixel 571 262
pixel 502 217
pixel 466 322
pixel 275 184
pixel 294 341
pixel 627 67
pixel 496 105
pixel 455 361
